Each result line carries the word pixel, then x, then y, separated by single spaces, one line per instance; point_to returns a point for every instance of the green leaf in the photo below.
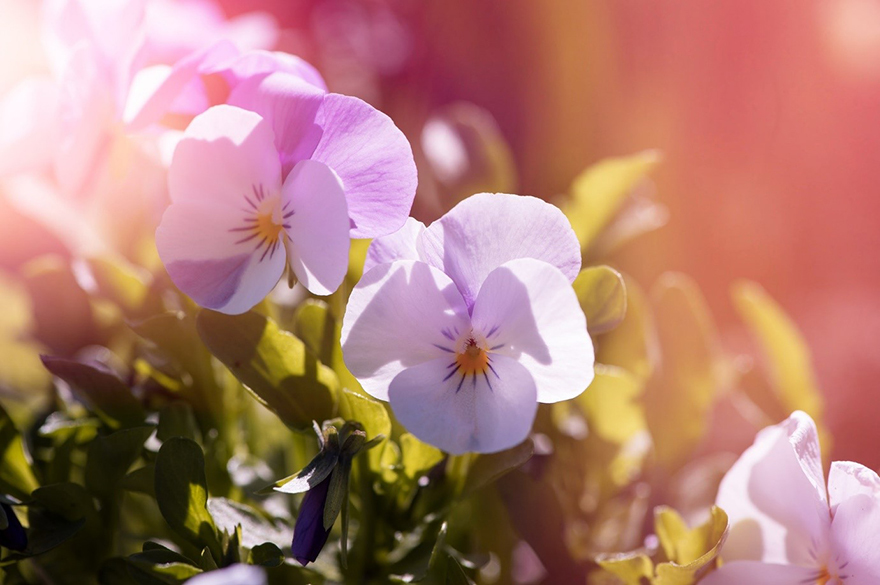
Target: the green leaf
pixel 102 389
pixel 417 458
pixel 678 399
pixel 175 334
pixel 788 357
pixel 691 553
pixel 610 404
pixel 182 493
pixel 110 457
pixel 601 293
pixel 632 344
pixel 177 420
pixel 161 566
pixel 267 555
pixel 16 477
pixel 273 364
pixel 142 479
pixel 316 326
pixel 598 193
pixel 373 415
pixel 631 568
pixel 488 468
pixel 121 283
pixel 256 528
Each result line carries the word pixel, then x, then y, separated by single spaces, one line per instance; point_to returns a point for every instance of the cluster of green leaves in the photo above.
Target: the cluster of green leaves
pixel 139 448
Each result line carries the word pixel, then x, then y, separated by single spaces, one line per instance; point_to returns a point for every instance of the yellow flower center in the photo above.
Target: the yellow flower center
pixel 264 222
pixel 473 360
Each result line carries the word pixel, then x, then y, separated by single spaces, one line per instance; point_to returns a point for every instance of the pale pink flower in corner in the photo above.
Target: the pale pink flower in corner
pixel 785 527
pixel 466 325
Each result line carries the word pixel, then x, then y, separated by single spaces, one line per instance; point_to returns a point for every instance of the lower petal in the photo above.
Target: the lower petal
pixel 483 413
pixel 757 573
pixel 317 224
pixel 856 536
pixel 206 258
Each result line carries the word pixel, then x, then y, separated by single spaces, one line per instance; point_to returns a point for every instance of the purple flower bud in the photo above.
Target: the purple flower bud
pixel 13 536
pixel 309 535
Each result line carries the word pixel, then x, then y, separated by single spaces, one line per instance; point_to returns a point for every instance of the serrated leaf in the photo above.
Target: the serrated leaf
pixel 110 457
pixel 182 493
pixel 273 364
pixel 598 193
pixel 101 388
pixel 601 293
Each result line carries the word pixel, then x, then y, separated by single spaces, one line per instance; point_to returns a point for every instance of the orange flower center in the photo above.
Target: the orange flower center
pixel 473 360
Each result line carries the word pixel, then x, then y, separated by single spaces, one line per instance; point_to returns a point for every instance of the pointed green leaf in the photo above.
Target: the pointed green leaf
pixel 182 493
pixel 598 193
pixel 788 357
pixel 601 293
pixel 417 458
pixel 273 364
pixel 101 388
pixel 16 477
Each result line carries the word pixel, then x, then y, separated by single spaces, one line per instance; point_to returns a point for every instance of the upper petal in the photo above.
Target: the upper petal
pixel 482 413
pixel 775 496
pixel 758 573
pixel 224 155
pixel 847 479
pixel 374 160
pixel 401 245
pixel 210 260
pixel 528 311
pixel 484 231
pixel 291 105
pixel 317 224
pixel 399 315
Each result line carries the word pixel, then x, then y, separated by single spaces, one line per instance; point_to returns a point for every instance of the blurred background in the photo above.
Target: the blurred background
pixel 766 116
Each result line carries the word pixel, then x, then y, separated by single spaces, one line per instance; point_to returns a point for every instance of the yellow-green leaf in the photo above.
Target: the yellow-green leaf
pixel 320 331
pixel 273 364
pixel 373 415
pixel 632 344
pixel 691 552
pixel 16 477
pixel 601 293
pixel 417 457
pixel 598 193
pixel 788 358
pixel 678 398
pixel 610 404
pixel 631 568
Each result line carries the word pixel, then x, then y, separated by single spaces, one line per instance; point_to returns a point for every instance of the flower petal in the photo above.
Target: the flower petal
pixel 224 155
pixel 318 218
pixel 399 315
pixel 29 125
pixel 856 534
pixel 401 245
pixel 253 64
pixel 483 413
pixel 527 309
pixel 847 479
pixel 775 496
pixel 290 104
pixel 210 261
pixel 757 573
pixel 373 159
pixel 141 111
pixel 484 231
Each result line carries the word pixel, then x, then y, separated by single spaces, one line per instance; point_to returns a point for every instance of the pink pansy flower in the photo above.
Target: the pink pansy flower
pixel 786 528
pixel 466 325
pixel 250 201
